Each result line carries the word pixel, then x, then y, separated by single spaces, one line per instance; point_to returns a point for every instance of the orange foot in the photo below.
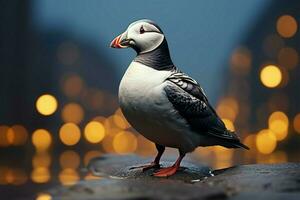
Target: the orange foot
pixel 165 172
pixel 146 167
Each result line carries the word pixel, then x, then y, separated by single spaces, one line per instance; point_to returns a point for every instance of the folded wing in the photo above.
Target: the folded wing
pixel 189 99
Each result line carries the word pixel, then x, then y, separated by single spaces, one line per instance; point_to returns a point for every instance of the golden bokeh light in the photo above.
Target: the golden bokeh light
pixel 69 159
pixel 110 126
pixel 4 142
pixel 125 142
pixel 223 157
pixel 266 141
pixel 44 196
pixel 41 160
pixel 69 134
pixel 107 144
pixel 120 121
pixel 17 135
pixel 90 155
pixel 9 176
pixel 229 124
pixel 68 176
pixel 72 112
pixel 46 104
pixel 250 142
pixel 286 26
pixel 72 85
pixel 271 76
pixel 13 176
pixel 279 124
pixel 41 139
pixel 228 108
pixel 40 175
pixel 94 132
pixel 288 57
pixel 3 171
pixel 16 176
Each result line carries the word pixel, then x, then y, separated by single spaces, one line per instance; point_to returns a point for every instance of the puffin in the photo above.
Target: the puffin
pixel 162 103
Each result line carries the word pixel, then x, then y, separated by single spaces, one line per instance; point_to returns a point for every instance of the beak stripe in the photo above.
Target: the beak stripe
pixel 116 42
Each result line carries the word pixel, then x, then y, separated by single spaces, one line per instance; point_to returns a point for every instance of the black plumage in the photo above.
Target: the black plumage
pixel 189 99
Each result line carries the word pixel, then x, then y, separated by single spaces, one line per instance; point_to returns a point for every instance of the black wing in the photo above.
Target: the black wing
pixel 189 99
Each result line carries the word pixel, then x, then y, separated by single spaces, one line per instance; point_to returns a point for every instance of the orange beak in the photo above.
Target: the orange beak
pixel 116 42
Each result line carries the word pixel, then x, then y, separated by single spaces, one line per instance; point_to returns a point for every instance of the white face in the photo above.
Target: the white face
pixel 143 35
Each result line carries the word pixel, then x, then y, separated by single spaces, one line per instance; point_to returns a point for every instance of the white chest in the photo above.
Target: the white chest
pixel 139 87
pixel 146 107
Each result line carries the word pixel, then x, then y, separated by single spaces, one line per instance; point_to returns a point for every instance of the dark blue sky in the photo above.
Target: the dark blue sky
pixel 201 34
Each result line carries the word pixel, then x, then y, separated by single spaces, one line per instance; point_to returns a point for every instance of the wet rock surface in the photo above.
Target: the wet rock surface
pixel 119 167
pixel 193 181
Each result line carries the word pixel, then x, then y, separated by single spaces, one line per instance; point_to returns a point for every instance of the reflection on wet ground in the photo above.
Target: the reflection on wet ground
pixel 22 175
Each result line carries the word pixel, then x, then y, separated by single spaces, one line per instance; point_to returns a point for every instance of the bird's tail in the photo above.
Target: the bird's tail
pixel 237 143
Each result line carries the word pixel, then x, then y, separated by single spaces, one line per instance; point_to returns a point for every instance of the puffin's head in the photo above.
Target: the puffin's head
pixel 142 35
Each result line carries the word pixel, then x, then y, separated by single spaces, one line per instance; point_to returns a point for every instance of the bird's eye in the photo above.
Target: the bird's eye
pixel 142 30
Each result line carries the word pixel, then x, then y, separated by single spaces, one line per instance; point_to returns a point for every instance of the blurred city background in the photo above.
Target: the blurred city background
pixel 59 82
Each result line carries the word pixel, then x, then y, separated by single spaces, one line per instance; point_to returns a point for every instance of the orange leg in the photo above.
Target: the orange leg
pixel 155 163
pixel 169 171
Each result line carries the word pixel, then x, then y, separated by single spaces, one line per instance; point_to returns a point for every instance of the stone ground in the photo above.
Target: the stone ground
pixel 193 181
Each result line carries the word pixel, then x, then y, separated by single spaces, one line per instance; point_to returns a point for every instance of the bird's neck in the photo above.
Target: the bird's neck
pixel 158 58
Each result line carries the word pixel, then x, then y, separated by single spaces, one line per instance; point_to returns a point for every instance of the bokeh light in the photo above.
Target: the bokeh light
pixel 229 124
pixel 69 134
pixel 120 121
pixel 107 144
pixel 41 139
pixel 40 175
pixel 266 141
pixel 68 176
pixel 72 85
pixel 286 26
pixel 125 142
pixel 72 112
pixel 3 171
pixel 296 123
pixel 94 132
pixel 3 136
pixel 15 176
pixel 223 157
pixel 17 135
pixel 42 159
pixel 250 142
pixel 46 104
pixel 271 76
pixel 228 108
pixel 278 124
pixel 44 196
pixel 69 159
